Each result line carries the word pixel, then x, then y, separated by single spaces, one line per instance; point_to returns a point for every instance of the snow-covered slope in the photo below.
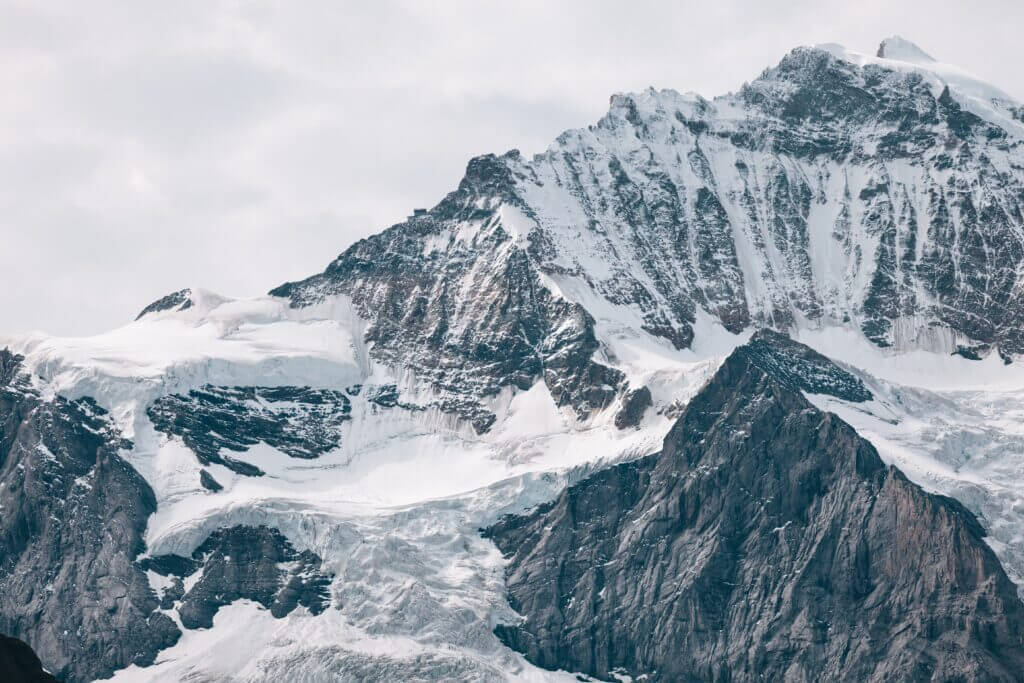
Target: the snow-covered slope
pixel 550 316
pixel 392 509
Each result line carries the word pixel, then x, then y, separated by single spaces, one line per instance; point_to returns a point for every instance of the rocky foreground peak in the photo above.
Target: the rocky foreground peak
pixel 766 541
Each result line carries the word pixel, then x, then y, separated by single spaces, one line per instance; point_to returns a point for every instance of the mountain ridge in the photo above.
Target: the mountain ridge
pixel 825 192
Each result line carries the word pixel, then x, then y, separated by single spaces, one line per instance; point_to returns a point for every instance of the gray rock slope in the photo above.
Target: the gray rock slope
pixel 73 514
pixel 766 541
pixel 242 562
pixel 72 518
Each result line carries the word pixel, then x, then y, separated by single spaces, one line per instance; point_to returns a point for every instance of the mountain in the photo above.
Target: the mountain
pixel 766 541
pixel 833 190
pixel 292 486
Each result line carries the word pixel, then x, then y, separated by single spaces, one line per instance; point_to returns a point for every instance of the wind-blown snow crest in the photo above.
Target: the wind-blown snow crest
pixel 980 97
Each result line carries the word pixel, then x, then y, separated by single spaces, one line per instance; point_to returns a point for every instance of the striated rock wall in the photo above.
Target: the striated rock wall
pixel 767 541
pixel 72 518
pixel 822 193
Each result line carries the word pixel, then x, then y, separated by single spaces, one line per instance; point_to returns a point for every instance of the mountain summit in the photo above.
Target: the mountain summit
pixel 826 192
pixel 766 541
pixel 902 50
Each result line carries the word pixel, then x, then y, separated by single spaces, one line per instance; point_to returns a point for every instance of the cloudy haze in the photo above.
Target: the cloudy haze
pixel 145 147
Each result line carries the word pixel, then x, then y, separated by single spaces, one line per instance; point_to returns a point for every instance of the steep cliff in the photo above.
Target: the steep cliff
pixel 766 541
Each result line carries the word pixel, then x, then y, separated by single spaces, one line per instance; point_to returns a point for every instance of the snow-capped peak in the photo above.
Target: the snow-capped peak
pixel 977 96
pixel 899 48
pixel 902 55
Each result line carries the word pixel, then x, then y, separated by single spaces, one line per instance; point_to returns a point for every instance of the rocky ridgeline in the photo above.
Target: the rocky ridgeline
pixel 822 192
pixel 767 541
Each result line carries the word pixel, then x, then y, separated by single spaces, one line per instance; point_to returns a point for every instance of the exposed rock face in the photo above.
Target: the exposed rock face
pixel 767 541
pixel 455 296
pixel 634 404
pixel 72 524
pixel 801 368
pixel 803 197
pixel 177 301
pixel 299 421
pixel 253 563
pixel 823 193
pixel 19 664
pixel 72 518
pixel 207 481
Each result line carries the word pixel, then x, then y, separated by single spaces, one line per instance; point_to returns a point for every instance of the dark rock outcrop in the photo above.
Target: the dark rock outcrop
pixel 19 664
pixel 801 368
pixel 72 518
pixel 299 421
pixel 634 404
pixel 244 562
pixel 207 481
pixel 767 541
pixel 179 301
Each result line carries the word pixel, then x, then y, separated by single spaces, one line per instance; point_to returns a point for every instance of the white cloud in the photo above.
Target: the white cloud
pixel 148 146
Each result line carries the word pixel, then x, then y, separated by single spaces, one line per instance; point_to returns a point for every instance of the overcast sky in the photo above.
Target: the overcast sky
pixel 149 146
